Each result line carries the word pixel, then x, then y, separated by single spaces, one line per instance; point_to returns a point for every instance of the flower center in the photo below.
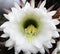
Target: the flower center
pixel 31 31
pixel 31 26
pixel 29 22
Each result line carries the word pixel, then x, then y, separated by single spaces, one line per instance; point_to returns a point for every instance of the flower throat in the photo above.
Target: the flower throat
pixel 30 27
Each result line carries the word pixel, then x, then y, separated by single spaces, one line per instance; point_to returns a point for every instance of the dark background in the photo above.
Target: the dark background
pixel 3 49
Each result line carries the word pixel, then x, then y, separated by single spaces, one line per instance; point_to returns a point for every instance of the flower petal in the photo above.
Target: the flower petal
pixel 52 41
pixel 56 22
pixel 9 43
pixel 32 3
pixel 55 34
pixel 4 35
pixel 17 6
pixel 9 16
pixel 51 13
pixel 43 4
pixel 48 44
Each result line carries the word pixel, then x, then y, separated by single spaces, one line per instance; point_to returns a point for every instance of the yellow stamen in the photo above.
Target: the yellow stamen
pixel 31 31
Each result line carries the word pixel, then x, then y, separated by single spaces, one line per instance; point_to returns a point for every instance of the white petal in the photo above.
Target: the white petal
pixel 4 35
pixel 42 50
pixel 14 10
pixel 52 26
pixel 17 6
pixel 33 3
pixel 43 4
pixel 30 47
pixel 9 43
pixel 51 13
pixel 56 22
pixel 27 6
pixel 33 49
pixel 10 47
pixel 42 8
pixel 46 34
pixel 52 41
pixel 17 14
pixel 9 16
pixel 39 46
pixel 55 34
pixel 48 44
pixel 5 24
pixel 47 50
pixel 17 48
pixel 6 16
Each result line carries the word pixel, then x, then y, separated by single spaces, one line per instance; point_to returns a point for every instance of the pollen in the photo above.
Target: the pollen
pixel 31 31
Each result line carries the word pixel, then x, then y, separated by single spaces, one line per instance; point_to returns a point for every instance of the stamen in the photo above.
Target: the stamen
pixel 30 31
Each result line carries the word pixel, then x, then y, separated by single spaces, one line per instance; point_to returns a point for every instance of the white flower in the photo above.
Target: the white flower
pixel 30 29
pixel 57 50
